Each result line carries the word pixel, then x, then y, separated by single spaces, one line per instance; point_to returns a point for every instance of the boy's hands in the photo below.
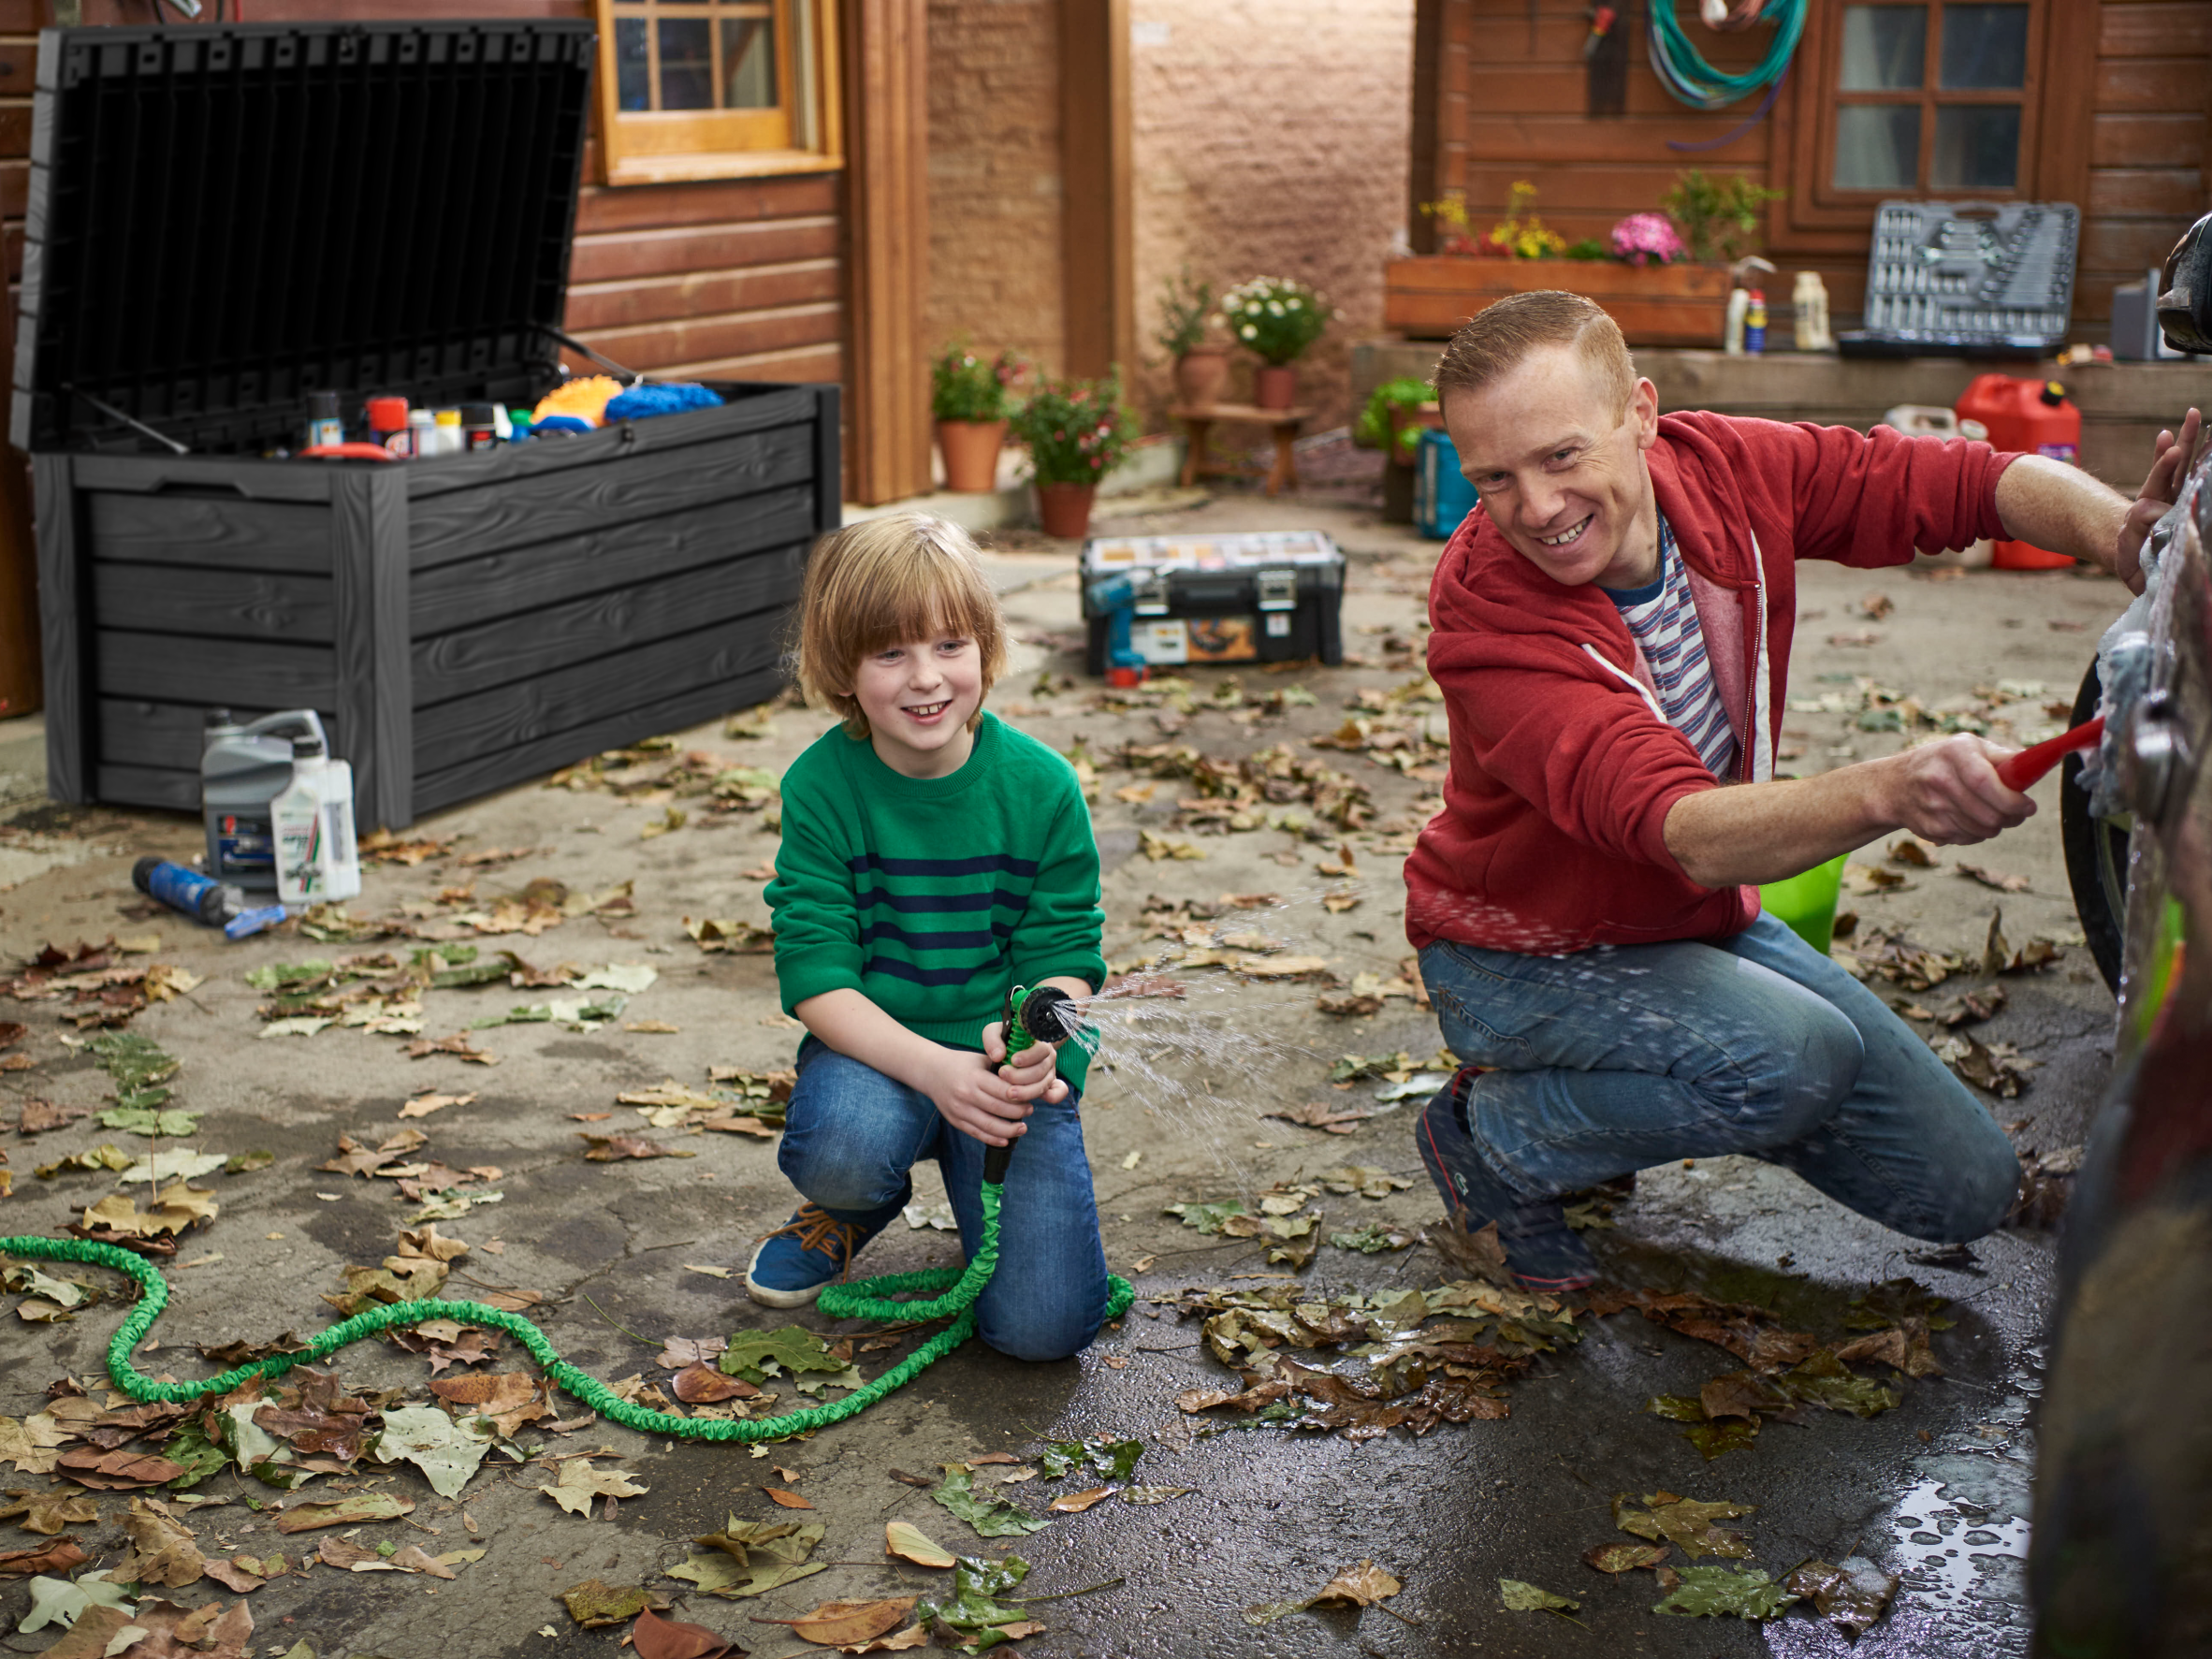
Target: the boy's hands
pixel 985 1097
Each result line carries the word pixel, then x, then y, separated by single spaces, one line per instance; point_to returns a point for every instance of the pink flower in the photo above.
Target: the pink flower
pixel 1641 238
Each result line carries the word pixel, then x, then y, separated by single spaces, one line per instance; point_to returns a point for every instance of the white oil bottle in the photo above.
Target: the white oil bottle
pixel 317 860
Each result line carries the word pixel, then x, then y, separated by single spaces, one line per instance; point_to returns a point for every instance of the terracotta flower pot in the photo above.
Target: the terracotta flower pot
pixel 1274 386
pixel 1065 509
pixel 972 454
pixel 1199 375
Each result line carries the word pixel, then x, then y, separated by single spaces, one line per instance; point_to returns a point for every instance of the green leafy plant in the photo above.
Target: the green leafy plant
pixel 1371 431
pixel 1588 248
pixel 1719 218
pixel 1277 317
pixel 1184 302
pixel 1077 431
pixel 963 386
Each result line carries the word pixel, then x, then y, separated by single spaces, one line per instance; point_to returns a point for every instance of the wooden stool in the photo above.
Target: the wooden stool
pixel 1197 425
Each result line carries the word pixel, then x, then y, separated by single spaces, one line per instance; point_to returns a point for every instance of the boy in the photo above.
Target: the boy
pixel 933 857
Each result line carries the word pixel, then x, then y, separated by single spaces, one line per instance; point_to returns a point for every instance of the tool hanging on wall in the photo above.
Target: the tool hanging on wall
pixel 1605 54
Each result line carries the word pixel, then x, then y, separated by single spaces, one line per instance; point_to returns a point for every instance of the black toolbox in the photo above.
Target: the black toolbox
pixel 224 220
pixel 1258 596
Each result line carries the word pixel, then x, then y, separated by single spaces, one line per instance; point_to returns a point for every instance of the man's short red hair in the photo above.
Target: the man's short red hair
pixel 1496 340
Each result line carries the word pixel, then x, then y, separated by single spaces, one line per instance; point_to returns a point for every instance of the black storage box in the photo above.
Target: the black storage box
pixel 1260 596
pixel 224 220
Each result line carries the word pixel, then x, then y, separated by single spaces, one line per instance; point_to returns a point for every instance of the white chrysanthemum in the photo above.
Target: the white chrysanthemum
pixel 1249 332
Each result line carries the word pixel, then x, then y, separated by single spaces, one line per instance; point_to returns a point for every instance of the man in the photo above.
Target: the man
pixel 1611 633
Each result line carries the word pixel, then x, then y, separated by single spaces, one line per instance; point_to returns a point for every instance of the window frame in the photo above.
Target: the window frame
pixel 663 147
pixel 1817 202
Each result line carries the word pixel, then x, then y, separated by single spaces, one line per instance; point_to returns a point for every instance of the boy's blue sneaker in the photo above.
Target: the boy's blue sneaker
pixel 1541 1250
pixel 815 1248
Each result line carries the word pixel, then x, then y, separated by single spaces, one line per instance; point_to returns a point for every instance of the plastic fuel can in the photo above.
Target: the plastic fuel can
pixel 2033 415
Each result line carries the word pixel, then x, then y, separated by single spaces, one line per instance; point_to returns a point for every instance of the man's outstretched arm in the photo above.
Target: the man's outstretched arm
pixel 2053 505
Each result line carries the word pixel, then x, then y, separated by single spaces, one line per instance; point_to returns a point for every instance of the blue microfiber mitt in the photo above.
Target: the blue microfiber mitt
pixel 658 398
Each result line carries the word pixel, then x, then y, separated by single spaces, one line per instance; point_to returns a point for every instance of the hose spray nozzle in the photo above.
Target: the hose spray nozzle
pixel 1033 1015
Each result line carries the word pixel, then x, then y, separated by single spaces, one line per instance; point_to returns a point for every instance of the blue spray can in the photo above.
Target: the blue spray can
pixel 205 900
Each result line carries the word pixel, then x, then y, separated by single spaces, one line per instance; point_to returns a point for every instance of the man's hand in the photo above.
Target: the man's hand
pixel 1949 793
pixel 2169 460
pixel 980 1096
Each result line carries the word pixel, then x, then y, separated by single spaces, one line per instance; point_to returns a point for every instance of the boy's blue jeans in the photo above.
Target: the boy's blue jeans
pixel 851 1136
pixel 1622 1057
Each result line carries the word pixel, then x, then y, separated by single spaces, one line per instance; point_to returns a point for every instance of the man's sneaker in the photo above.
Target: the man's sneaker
pixel 811 1250
pixel 1541 1250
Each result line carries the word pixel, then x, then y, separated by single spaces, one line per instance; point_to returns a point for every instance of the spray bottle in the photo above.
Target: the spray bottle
pixel 1032 1016
pixel 317 860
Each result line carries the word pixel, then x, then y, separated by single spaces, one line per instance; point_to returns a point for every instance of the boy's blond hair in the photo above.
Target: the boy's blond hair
pixel 883 582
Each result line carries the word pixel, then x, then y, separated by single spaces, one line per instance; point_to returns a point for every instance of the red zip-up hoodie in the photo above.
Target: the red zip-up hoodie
pixel 1562 766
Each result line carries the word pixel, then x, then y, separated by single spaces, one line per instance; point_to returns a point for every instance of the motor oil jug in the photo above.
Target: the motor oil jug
pixel 2035 415
pixel 317 860
pixel 241 769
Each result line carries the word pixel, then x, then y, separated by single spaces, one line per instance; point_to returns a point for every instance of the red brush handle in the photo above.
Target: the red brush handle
pixel 375 452
pixel 2032 763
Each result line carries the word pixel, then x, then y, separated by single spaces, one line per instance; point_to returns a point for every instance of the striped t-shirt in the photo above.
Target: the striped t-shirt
pixel 1663 619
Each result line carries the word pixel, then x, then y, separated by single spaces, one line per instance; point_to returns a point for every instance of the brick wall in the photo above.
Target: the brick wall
pixel 1270 138
pixel 994 176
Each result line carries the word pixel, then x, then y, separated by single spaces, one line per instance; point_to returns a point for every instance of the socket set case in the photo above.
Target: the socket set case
pixel 225 220
pixel 1265 596
pixel 1972 278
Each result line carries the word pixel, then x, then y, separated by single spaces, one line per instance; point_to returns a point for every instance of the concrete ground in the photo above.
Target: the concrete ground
pixel 1933 1490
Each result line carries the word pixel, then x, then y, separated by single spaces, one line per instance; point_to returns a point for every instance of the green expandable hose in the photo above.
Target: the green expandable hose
pixel 864 1299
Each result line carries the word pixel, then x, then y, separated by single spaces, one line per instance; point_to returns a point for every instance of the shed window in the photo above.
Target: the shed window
pixel 1930 98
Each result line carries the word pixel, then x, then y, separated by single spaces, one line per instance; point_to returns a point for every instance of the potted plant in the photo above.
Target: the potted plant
pixel 1276 317
pixel 1200 364
pixel 968 397
pixel 1393 420
pixel 1718 218
pixel 1077 432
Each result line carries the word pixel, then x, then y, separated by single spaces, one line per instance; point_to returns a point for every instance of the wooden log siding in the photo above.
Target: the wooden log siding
pixel 1498 110
pixel 720 280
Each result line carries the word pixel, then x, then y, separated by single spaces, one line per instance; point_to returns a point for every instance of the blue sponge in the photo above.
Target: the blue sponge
pixel 641 402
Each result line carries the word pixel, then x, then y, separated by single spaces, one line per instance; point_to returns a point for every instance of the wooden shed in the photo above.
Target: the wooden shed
pixel 2103 103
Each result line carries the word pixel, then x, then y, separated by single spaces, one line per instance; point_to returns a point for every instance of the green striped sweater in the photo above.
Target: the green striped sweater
pixel 933 895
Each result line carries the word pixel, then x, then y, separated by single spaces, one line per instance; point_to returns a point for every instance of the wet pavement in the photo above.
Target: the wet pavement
pixel 1934 1489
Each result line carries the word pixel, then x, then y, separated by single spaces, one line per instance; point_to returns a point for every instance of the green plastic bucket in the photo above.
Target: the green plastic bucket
pixel 1808 902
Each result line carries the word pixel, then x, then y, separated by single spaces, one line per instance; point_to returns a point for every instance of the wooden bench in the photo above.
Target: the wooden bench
pixel 1197 426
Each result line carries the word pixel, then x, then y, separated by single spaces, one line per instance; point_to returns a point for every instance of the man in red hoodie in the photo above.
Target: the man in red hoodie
pixel 1612 634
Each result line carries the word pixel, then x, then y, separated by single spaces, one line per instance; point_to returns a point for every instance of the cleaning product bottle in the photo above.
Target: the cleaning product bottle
pixel 387 424
pixel 323 424
pixel 422 432
pixel 241 769
pixel 210 902
pixel 1755 323
pixel 451 437
pixel 317 860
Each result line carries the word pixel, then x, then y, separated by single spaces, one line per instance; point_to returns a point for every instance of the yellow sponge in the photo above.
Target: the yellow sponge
pixel 585 399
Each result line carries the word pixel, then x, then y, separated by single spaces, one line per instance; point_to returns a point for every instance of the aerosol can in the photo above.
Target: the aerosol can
pixel 317 860
pixel 1033 1015
pixel 242 768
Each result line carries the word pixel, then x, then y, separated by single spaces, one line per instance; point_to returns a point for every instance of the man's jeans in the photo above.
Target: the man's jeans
pixel 851 1136
pixel 1626 1057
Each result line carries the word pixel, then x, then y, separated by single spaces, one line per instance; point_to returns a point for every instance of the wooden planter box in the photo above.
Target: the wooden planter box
pixel 1429 297
pixel 461 623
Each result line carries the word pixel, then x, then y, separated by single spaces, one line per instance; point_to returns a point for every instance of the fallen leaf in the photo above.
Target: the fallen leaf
pixel 1522 1597
pixel 1624 1558
pixel 114 1471
pixel 701 1384
pixel 969 1617
pixel 61 1556
pixel 1360 1586
pixel 992 1517
pixel 1715 1592
pixel 1990 877
pixel 611 1148
pixel 579 1484
pixel 49 1512
pixel 447 1453
pixel 1075 1503
pixel 356 1510
pixel 909 1543
pixel 1851 1596
pixel 594 1604
pixel 750 1558
pixel 507 1399
pixel 423 1105
pixel 457 1044
pixel 788 1500
pixel 835 1624
pixel 917 1636
pixel 1684 1522
pixel 162 1548
pixel 655 1638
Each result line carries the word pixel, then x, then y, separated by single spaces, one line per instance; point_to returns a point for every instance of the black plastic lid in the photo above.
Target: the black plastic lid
pixel 305 748
pixel 479 415
pixel 217 716
pixel 224 219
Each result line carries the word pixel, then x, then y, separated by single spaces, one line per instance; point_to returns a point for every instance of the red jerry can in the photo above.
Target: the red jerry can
pixel 2033 415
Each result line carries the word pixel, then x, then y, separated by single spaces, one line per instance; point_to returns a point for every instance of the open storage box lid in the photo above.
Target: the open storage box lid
pixel 223 220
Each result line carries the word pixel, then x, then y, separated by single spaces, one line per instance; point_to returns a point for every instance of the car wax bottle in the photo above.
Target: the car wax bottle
pixel 323 424
pixel 479 427
pixel 450 436
pixel 210 902
pixel 387 424
pixel 422 433
pixel 317 860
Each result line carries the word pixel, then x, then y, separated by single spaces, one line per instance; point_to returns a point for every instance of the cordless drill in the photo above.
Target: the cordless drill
pixel 1032 1016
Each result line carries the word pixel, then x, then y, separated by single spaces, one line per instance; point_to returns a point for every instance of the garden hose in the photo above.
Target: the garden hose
pixel 1683 71
pixel 864 1299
